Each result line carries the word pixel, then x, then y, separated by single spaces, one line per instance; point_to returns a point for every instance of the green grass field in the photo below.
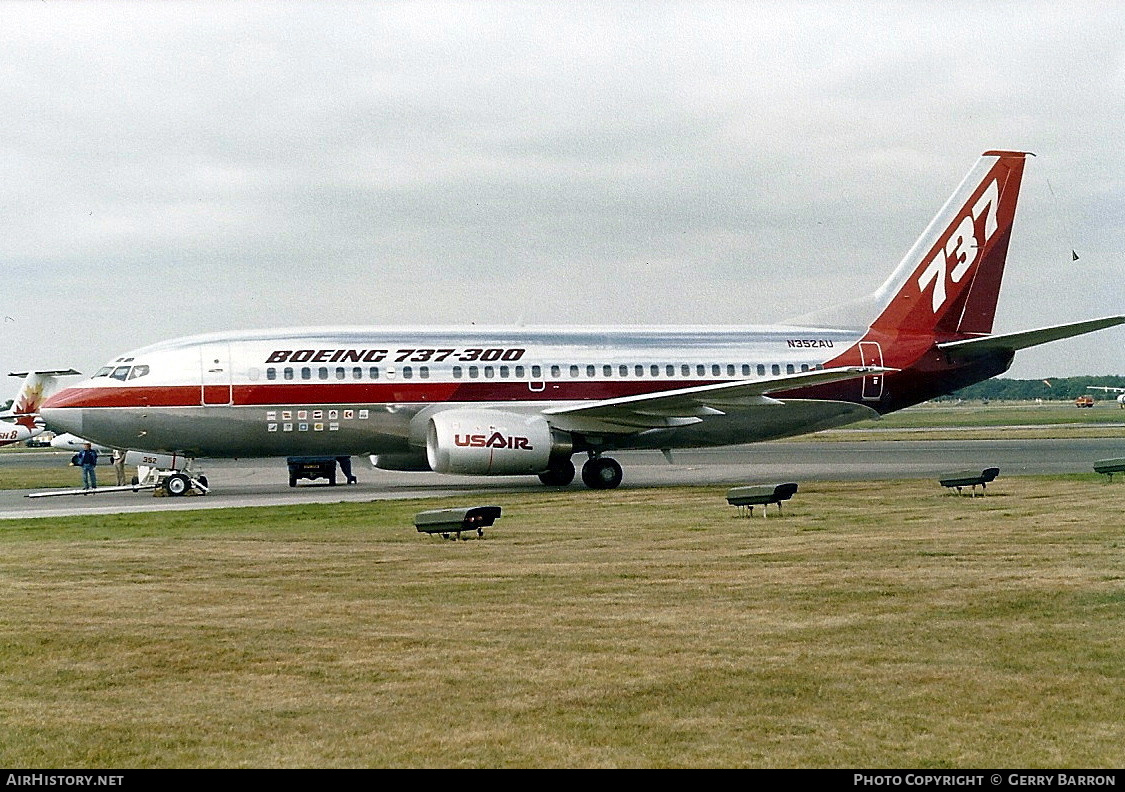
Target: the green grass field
pixel 881 625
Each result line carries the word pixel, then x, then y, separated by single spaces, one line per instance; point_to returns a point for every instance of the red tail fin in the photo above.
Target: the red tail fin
pixel 947 285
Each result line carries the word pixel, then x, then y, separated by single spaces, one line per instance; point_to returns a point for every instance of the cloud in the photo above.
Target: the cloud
pixel 189 167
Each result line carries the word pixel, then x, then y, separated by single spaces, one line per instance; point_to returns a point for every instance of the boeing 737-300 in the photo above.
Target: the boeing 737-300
pixel 520 401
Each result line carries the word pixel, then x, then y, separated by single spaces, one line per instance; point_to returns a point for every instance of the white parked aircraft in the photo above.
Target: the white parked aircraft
pixel 22 421
pixel 69 442
pixel 1107 389
pixel 515 401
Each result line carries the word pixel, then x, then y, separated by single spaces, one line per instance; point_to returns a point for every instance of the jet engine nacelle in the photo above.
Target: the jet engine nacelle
pixel 491 443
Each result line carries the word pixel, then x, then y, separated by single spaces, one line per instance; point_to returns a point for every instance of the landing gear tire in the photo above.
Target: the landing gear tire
pixel 177 484
pixel 558 476
pixel 601 473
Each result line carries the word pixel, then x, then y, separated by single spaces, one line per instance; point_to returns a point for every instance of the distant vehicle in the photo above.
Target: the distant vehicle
pixel 1084 401
pixel 312 468
pixel 42 440
pixel 1107 389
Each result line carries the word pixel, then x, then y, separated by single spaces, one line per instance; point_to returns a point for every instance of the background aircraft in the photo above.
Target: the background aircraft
pixel 517 401
pixel 1107 389
pixel 22 421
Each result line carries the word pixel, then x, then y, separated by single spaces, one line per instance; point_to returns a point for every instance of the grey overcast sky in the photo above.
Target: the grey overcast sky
pixel 173 168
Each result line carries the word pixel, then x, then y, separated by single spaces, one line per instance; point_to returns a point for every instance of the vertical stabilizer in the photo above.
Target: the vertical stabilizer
pixel 37 386
pixel 948 283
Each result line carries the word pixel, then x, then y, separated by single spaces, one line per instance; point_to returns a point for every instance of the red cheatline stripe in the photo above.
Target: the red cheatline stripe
pixel 361 393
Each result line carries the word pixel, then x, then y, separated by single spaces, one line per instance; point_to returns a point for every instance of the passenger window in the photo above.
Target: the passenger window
pixel 503 372
pixel 804 367
pixel 374 372
pixel 474 372
pixel 623 371
pixel 520 372
pixel 745 370
pixel 407 372
pixel 607 371
pixel 424 372
pixel 456 372
pixel 789 369
pixel 489 371
pixel 341 373
pixel 590 371
pixel 120 373
pixel 536 371
pixel 700 370
pixel 271 373
pixel 322 372
pixel 556 371
pixel 670 370
pixel 357 373
pixel 730 369
pixel 288 373
pixel 685 370
pixel 715 370
pixel 574 371
pixel 776 369
pixel 654 370
pixel 639 371
pixel 252 373
pixel 761 370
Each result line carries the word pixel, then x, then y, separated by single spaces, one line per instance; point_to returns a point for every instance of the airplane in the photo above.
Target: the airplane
pixel 22 421
pixel 1107 389
pixel 69 442
pixel 523 401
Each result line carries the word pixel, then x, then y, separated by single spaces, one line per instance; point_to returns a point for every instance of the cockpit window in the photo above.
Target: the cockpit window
pixel 138 371
pixel 104 371
pixel 120 373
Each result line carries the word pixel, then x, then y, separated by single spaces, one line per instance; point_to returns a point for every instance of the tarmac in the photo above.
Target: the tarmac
pixel 264 482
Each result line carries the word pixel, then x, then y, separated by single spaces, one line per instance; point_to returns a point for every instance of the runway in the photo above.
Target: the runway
pixel 264 482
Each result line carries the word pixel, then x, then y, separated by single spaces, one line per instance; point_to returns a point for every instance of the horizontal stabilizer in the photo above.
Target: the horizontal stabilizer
pixel 45 373
pixel 1010 342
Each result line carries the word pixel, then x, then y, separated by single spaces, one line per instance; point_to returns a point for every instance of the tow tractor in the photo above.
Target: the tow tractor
pixel 170 474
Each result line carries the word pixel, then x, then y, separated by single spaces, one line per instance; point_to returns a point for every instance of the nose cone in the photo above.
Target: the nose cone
pixel 60 412
pixel 63 419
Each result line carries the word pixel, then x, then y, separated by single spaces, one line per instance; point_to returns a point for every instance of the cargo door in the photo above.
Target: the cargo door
pixel 871 354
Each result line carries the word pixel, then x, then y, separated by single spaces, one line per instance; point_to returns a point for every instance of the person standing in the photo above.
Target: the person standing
pixel 87 459
pixel 119 465
pixel 346 468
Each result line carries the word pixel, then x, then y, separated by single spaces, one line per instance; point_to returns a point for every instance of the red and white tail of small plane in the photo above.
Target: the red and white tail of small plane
pixel 37 387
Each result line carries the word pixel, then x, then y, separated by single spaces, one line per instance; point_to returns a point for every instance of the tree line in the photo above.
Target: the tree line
pixel 1059 388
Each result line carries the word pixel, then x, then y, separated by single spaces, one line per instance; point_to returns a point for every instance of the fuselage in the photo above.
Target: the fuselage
pixel 357 390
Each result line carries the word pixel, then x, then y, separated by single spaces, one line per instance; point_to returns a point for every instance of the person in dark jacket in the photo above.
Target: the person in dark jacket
pixel 87 459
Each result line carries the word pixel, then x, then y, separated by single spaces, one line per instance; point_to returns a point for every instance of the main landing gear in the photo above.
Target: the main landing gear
pixel 598 473
pixel 601 473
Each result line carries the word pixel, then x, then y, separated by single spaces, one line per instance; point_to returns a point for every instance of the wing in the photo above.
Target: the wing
pixel 687 406
pixel 1105 388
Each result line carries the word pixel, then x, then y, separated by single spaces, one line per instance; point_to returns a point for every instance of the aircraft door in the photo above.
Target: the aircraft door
pixel 871 354
pixel 215 374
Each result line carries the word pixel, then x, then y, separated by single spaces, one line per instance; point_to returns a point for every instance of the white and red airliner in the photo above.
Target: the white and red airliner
pixel 519 401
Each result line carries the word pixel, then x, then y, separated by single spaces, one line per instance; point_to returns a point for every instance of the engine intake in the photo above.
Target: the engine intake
pixel 492 443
